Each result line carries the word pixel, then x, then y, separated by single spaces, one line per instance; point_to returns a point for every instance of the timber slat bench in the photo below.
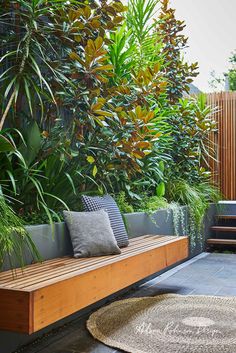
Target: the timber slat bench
pixel 45 293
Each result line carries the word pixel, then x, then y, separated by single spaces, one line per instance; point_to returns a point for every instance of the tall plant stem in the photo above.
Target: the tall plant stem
pixel 7 109
pixel 22 66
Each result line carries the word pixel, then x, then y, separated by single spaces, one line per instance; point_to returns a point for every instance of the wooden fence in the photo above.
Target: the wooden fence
pixel 224 141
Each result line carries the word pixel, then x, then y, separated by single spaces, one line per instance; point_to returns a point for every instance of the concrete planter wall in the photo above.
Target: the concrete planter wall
pixel 56 243
pixel 161 222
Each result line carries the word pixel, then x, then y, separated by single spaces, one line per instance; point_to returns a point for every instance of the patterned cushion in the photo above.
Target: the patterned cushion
pixel 108 203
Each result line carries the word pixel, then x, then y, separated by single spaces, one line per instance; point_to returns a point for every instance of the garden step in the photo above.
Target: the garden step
pixel 223 229
pixel 221 241
pixel 222 216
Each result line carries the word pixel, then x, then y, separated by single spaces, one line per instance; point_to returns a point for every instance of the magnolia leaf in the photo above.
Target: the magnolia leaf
pixel 157 67
pixel 103 68
pixel 98 42
pixel 95 23
pixel 138 111
pixel 138 154
pixel 87 11
pixel 97 106
pixel 118 19
pixel 102 113
pixel 143 144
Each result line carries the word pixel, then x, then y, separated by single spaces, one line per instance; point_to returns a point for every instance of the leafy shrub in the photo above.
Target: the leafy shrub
pixel 82 132
pixel 197 197
pixel 192 123
pixel 14 239
pixel 95 91
pixel 151 204
pixel 123 204
pixel 179 74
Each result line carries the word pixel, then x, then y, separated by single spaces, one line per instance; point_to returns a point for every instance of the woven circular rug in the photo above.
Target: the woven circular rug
pixel 168 324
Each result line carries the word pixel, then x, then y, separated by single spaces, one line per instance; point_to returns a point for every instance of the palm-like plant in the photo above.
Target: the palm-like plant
pixel 135 45
pixel 121 52
pixel 141 24
pixel 28 55
pixel 33 179
pixel 15 241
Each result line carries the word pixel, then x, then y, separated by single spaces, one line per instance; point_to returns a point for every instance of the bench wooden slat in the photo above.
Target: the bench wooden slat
pixel 45 270
pixel 37 267
pixel 75 268
pixel 47 292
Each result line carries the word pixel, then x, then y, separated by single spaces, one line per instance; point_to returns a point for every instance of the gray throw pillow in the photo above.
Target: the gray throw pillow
pixel 91 233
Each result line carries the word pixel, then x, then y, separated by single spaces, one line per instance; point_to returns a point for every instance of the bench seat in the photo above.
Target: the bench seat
pixel 45 293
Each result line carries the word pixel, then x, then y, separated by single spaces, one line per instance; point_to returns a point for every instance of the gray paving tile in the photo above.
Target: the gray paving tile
pixel 77 340
pixel 227 291
pixel 205 290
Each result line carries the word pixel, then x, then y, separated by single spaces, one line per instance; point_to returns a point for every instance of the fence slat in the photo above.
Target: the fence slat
pixel 224 171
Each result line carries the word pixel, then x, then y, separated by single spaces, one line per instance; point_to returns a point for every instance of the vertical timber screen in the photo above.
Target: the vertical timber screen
pixel 224 141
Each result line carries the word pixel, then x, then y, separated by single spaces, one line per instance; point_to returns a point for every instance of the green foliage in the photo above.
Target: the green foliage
pixel 232 72
pixel 121 53
pixel 86 134
pixel 90 93
pixel 232 79
pixel 123 204
pixel 197 197
pixel 150 204
pixel 136 47
pixel 5 145
pixel 143 38
pixel 160 190
pixel 179 74
pixel 48 181
pixel 218 82
pixel 192 123
pixel 14 239
pixel 24 79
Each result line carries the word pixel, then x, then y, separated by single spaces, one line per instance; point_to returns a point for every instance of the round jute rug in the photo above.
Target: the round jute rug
pixel 168 324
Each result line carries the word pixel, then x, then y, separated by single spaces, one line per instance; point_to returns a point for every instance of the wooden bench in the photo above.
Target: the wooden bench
pixel 45 293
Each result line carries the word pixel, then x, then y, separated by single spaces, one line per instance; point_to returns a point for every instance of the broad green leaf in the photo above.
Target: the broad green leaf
pixel 33 143
pixel 5 145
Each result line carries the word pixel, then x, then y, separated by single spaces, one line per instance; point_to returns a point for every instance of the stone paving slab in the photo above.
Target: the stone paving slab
pixel 207 274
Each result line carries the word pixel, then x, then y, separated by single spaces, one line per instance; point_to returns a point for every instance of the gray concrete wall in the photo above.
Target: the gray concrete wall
pixel 160 222
pixel 56 242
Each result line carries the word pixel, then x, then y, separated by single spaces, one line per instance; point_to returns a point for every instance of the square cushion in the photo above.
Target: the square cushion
pixel 108 203
pixel 91 233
